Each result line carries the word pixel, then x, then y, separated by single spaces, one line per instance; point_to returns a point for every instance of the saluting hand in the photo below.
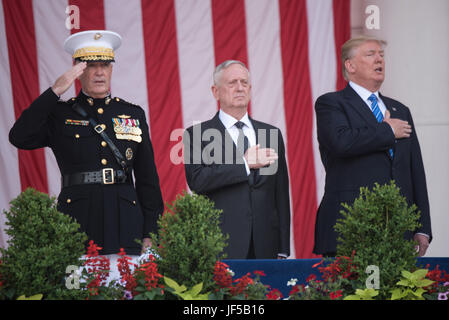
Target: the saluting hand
pixel 401 128
pixel 63 83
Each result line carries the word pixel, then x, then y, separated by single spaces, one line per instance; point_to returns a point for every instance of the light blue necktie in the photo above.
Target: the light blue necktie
pixel 377 113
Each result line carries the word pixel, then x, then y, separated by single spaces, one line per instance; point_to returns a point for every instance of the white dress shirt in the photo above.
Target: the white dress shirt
pixel 248 130
pixel 365 94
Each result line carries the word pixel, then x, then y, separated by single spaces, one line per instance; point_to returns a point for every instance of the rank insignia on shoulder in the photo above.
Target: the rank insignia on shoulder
pixel 77 122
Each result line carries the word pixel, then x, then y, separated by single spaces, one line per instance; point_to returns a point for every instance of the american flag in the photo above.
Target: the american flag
pixel 165 64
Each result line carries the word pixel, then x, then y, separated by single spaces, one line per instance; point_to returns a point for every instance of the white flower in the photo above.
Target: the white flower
pixel 230 272
pixel 292 282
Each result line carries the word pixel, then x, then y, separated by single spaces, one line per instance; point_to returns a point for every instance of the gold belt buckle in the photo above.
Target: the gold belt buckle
pixel 108 176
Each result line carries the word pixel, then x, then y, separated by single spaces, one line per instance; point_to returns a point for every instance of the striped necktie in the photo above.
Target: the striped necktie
pixel 242 138
pixel 378 114
pixel 242 146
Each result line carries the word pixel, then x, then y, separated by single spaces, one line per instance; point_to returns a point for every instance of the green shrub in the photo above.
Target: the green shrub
pixel 43 242
pixel 189 241
pixel 374 226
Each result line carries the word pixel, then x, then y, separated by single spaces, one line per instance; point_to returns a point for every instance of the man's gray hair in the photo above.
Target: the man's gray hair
pixel 224 65
pixel 348 48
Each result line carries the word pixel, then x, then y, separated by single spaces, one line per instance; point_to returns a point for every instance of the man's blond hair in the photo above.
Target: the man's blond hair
pixel 348 48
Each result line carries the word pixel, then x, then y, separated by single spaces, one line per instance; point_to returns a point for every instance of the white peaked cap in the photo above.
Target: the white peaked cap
pixel 93 45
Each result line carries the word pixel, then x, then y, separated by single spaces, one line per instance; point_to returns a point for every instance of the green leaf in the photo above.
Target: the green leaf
pixel 424 283
pixel 397 294
pixel 406 274
pixel 175 286
pixel 196 289
pixel 405 283
pixel 35 297
pixel 150 294
pixel 421 273
pixel 139 297
pixel 419 292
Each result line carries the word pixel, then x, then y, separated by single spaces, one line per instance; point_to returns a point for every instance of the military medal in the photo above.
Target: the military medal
pixel 77 122
pixel 129 154
pixel 127 129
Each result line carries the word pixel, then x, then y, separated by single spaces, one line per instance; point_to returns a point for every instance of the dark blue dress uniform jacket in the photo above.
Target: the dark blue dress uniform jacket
pixel 112 215
pixel 354 151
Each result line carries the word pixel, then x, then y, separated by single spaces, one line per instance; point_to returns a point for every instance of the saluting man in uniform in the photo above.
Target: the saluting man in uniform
pixel 98 142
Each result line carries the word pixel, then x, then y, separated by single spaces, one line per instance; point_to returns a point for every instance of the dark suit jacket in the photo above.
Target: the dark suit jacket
pixel 354 151
pixel 113 215
pixel 262 207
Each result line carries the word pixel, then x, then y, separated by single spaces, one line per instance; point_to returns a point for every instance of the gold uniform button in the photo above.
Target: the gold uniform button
pixel 69 200
pixel 103 126
pixel 77 136
pixel 134 202
pixel 103 143
pixel 100 110
pixel 104 162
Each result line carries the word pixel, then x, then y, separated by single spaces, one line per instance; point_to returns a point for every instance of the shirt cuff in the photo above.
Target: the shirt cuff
pixel 424 234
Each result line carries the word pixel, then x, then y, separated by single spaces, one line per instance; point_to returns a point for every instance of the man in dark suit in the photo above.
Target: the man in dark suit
pixel 239 163
pixel 97 164
pixel 364 138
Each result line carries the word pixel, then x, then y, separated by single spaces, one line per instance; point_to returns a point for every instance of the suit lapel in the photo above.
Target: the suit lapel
pixel 359 105
pixel 394 113
pixel 226 140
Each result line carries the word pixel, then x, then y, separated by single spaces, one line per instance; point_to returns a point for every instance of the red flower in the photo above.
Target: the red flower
pixel 97 267
pixel 335 295
pixel 126 275
pixel 311 277
pixel 259 273
pixel 317 264
pixel 295 289
pixel 342 266
pixel 437 276
pixel 152 276
pixel 242 283
pixel 274 294
pixel 222 276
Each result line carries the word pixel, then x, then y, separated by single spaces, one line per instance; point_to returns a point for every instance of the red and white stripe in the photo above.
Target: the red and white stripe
pixel 165 65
